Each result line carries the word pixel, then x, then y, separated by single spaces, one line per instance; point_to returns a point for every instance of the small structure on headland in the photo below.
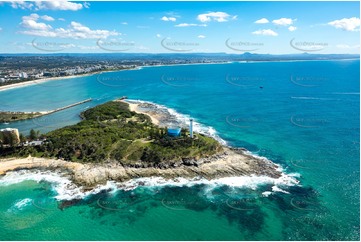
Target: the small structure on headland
pixel 174 131
pixel 10 136
pixel 191 128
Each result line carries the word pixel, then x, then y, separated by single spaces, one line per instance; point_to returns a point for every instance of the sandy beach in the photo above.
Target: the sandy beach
pixel 158 115
pixel 135 108
pixel 12 164
pixel 39 81
pixel 42 80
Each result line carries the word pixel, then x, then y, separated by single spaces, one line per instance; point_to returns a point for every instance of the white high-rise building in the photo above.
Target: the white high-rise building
pixel 6 133
pixel 23 75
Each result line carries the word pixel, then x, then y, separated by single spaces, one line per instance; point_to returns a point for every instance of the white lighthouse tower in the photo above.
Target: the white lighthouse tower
pixel 191 128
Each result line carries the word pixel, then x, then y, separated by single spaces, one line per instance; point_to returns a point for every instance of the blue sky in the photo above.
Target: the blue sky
pixel 168 27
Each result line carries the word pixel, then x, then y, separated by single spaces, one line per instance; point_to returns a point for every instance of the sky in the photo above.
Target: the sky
pixel 180 27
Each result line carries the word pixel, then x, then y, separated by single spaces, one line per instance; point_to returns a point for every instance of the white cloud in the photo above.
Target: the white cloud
pixel 61 19
pixel 173 14
pixel 283 21
pixel 75 30
pixel 124 23
pixel 190 25
pixel 47 18
pixel 165 18
pixel 30 22
pixel 267 32
pixel 292 28
pixel 86 5
pixel 59 5
pixel 201 36
pixel 48 5
pixel 262 21
pixel 159 35
pixel 20 4
pixel 348 24
pixel 214 16
pixel 58 45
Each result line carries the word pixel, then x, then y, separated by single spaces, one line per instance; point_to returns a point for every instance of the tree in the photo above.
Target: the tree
pixel 22 138
pixel 1 138
pixel 150 155
pixel 33 134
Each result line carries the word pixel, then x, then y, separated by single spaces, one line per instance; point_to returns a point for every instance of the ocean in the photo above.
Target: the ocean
pixel 302 115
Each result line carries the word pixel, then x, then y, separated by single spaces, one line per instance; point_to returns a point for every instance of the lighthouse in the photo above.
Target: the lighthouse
pixel 191 128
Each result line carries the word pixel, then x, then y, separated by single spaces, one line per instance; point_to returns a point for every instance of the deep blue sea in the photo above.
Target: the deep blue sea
pixel 303 115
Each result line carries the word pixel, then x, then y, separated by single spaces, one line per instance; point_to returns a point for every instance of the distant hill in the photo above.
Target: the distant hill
pixel 247 56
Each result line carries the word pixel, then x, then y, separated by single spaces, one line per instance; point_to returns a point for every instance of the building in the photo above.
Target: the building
pixel 174 131
pixel 191 128
pixel 34 143
pixel 23 75
pixel 10 135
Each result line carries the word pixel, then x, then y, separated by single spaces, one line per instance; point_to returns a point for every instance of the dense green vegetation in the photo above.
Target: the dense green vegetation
pixel 111 132
pixel 6 116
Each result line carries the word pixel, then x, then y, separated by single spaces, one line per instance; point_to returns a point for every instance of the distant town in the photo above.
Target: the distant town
pixel 16 68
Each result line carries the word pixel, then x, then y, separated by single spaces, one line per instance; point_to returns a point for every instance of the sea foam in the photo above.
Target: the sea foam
pixel 65 189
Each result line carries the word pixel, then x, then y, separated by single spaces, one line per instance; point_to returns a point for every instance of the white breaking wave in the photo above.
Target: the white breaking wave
pixel 20 205
pixel 65 189
pixel 61 184
pixel 277 189
pixel 24 175
pixel 266 193
pixel 245 182
pixel 252 182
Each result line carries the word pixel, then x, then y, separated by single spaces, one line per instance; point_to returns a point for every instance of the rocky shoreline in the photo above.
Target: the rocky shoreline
pixel 159 115
pixel 225 164
pixel 229 162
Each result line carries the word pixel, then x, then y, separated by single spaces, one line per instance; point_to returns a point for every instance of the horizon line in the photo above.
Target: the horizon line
pixel 159 53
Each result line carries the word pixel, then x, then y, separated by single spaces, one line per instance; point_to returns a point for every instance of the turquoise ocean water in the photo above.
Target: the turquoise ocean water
pixel 303 115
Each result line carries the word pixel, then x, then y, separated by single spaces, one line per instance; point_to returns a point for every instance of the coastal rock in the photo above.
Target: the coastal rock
pixel 189 162
pixel 224 164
